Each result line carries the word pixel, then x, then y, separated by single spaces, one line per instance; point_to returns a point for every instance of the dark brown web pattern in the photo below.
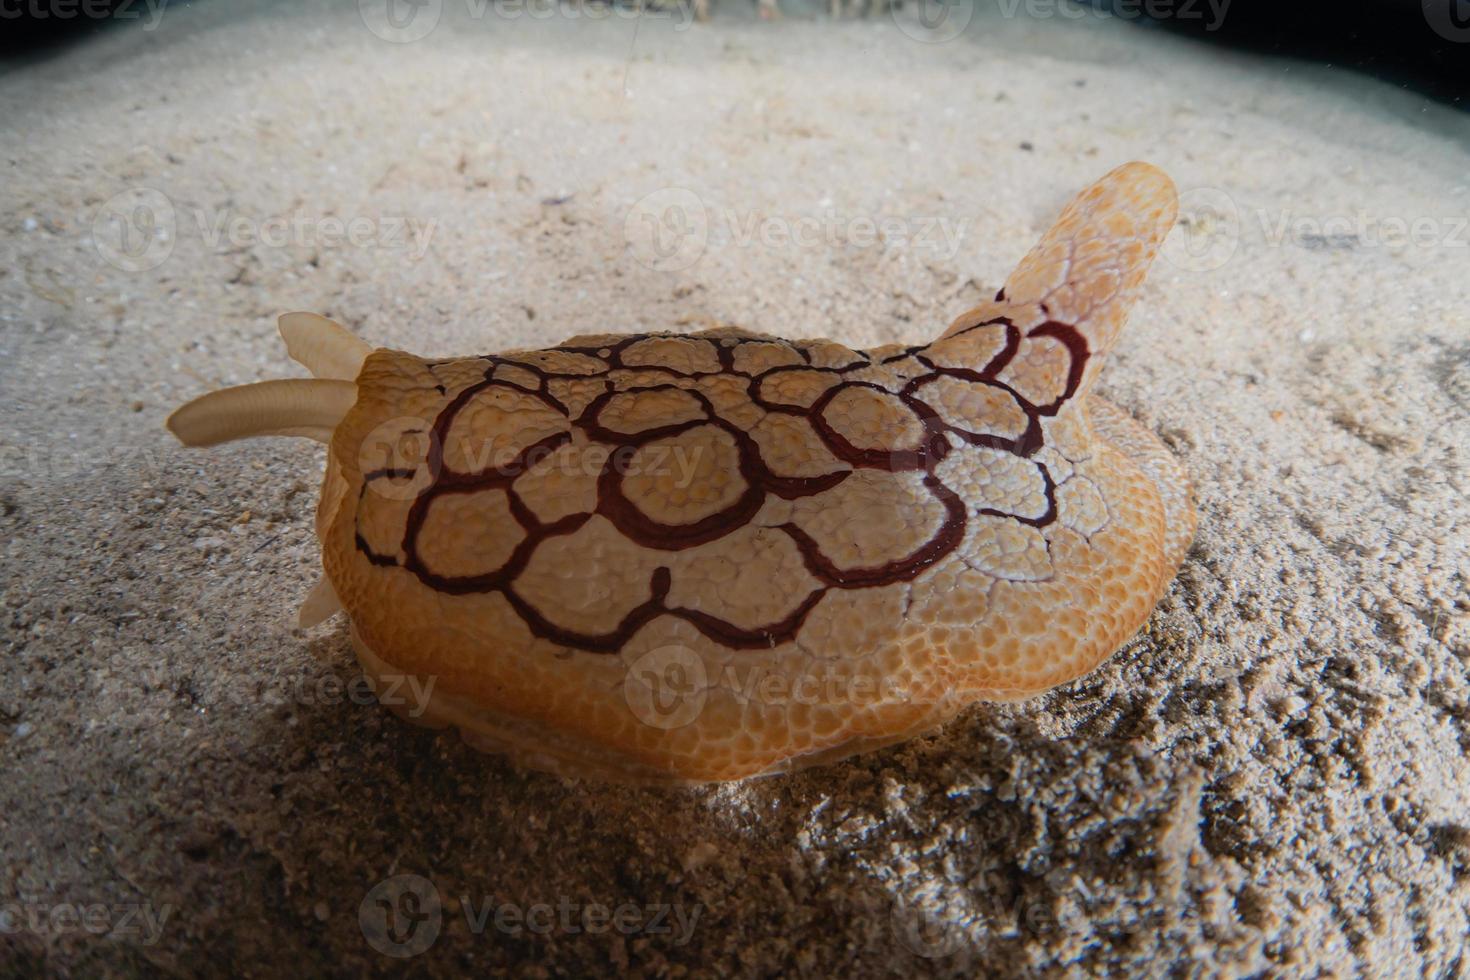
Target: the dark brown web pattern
pixel 938 440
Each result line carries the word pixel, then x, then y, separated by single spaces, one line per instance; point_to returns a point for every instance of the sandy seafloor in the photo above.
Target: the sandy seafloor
pixel 1271 778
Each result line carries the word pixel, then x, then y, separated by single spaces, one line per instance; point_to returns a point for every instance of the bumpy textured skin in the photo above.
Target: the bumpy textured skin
pixel 705 557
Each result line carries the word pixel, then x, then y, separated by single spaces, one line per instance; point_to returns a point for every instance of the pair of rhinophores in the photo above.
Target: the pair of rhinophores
pixel 703 557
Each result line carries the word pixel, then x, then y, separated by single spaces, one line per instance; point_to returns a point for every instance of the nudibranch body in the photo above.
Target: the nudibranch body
pixel 703 557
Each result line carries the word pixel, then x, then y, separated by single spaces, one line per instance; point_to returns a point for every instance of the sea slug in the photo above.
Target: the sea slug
pixel 685 558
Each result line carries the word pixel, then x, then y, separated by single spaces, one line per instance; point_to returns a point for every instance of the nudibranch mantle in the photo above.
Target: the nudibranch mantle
pixel 686 558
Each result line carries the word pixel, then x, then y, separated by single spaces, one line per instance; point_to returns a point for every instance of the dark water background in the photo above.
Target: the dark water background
pixel 1418 45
